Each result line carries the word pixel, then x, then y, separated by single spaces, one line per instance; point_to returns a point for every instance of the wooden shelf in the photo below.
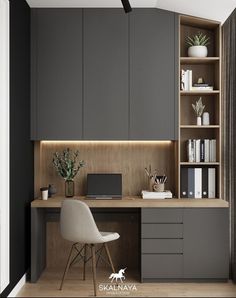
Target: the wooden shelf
pixel 186 163
pixel 199 92
pixel 208 68
pixel 193 60
pixel 199 198
pixel 199 126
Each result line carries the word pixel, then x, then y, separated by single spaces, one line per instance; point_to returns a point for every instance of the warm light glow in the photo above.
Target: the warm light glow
pixel 106 142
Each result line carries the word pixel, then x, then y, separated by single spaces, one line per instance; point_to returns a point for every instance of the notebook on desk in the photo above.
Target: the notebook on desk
pixel 104 186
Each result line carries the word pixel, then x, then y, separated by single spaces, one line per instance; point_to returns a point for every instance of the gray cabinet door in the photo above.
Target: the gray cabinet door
pixel 106 104
pixel 56 74
pixel 206 243
pixel 152 75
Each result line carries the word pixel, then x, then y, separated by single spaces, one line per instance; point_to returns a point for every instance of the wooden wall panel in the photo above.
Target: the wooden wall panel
pixel 128 158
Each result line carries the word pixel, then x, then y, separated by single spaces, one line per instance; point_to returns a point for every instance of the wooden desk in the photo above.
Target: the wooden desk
pixel 43 211
pixel 135 202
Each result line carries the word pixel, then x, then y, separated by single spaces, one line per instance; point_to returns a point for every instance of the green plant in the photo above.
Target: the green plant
pixel 198 107
pixel 198 40
pixel 66 163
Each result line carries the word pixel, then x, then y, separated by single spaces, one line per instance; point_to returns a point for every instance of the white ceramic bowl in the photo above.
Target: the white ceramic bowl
pixel 197 51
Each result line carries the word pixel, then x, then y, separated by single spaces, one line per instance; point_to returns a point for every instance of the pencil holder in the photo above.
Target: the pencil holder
pixel 159 187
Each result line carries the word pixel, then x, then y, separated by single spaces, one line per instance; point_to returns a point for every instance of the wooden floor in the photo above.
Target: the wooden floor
pixel 74 286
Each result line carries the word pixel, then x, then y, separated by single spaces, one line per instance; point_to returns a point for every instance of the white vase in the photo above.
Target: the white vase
pixel 197 51
pixel 199 121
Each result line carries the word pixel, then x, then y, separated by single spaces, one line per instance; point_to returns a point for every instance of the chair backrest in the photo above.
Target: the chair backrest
pixel 77 223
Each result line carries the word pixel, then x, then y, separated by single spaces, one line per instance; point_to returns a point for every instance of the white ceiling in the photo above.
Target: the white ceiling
pixel 217 10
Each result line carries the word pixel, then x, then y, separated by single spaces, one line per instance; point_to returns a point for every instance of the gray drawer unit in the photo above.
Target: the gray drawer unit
pixel 162 231
pixel 162 215
pixel 185 243
pixel 162 246
pixel 162 266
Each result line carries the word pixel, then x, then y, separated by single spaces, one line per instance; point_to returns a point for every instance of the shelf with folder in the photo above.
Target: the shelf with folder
pixel 199 182
pixel 194 60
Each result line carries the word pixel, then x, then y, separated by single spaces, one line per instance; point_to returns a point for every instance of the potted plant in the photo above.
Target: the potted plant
pixel 197 45
pixel 68 167
pixel 198 109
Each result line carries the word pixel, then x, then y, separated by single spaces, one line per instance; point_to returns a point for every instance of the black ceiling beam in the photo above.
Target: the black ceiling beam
pixel 126 5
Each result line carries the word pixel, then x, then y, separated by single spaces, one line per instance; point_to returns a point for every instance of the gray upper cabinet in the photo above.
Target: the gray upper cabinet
pixel 101 74
pixel 152 75
pixel 106 74
pixel 206 243
pixel 56 107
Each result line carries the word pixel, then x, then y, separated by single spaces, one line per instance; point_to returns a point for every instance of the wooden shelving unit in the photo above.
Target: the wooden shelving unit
pixel 191 60
pixel 210 69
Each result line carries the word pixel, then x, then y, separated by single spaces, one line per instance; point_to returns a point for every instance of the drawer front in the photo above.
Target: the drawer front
pixel 162 231
pixel 162 246
pixel 162 215
pixel 162 266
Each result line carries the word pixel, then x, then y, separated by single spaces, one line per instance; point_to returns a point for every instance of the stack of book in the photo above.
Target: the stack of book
pixel 201 86
pixel 198 183
pixel 201 150
pixel 187 82
pixel 157 195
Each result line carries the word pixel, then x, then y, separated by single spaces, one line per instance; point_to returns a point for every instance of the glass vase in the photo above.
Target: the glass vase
pixel 69 188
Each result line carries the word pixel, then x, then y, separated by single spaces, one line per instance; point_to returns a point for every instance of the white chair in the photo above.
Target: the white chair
pixel 78 225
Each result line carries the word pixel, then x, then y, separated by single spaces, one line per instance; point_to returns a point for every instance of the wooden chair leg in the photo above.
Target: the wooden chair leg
pixel 67 267
pixel 85 257
pixel 109 257
pixel 94 268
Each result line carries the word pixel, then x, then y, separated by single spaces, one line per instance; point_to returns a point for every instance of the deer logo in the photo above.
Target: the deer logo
pixel 119 275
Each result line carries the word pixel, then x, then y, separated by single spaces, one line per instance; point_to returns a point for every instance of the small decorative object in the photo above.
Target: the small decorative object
pixel 67 167
pixel 206 118
pixel 200 81
pixel 44 193
pixel 156 183
pixel 69 188
pixel 197 45
pixel 51 190
pixel 198 108
pixel 159 187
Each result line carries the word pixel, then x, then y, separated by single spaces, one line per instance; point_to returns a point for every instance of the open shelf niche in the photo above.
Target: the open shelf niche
pixel 208 68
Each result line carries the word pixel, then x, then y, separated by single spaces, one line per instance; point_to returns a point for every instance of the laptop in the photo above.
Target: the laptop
pixel 104 186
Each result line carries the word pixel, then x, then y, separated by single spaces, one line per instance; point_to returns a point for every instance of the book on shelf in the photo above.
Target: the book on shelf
pixel 200 85
pixel 201 150
pixel 198 183
pixel 186 82
pixel 156 195
pixel 208 88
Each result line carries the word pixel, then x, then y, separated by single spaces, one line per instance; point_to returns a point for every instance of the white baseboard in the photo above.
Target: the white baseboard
pixel 18 287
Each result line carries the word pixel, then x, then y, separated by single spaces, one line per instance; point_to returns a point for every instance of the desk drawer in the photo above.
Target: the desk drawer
pixel 162 215
pixel 162 231
pixel 163 246
pixel 162 266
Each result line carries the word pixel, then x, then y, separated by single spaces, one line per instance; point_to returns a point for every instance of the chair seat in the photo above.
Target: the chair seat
pixel 109 236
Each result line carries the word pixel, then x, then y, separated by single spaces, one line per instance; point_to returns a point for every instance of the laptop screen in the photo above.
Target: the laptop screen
pixel 104 185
